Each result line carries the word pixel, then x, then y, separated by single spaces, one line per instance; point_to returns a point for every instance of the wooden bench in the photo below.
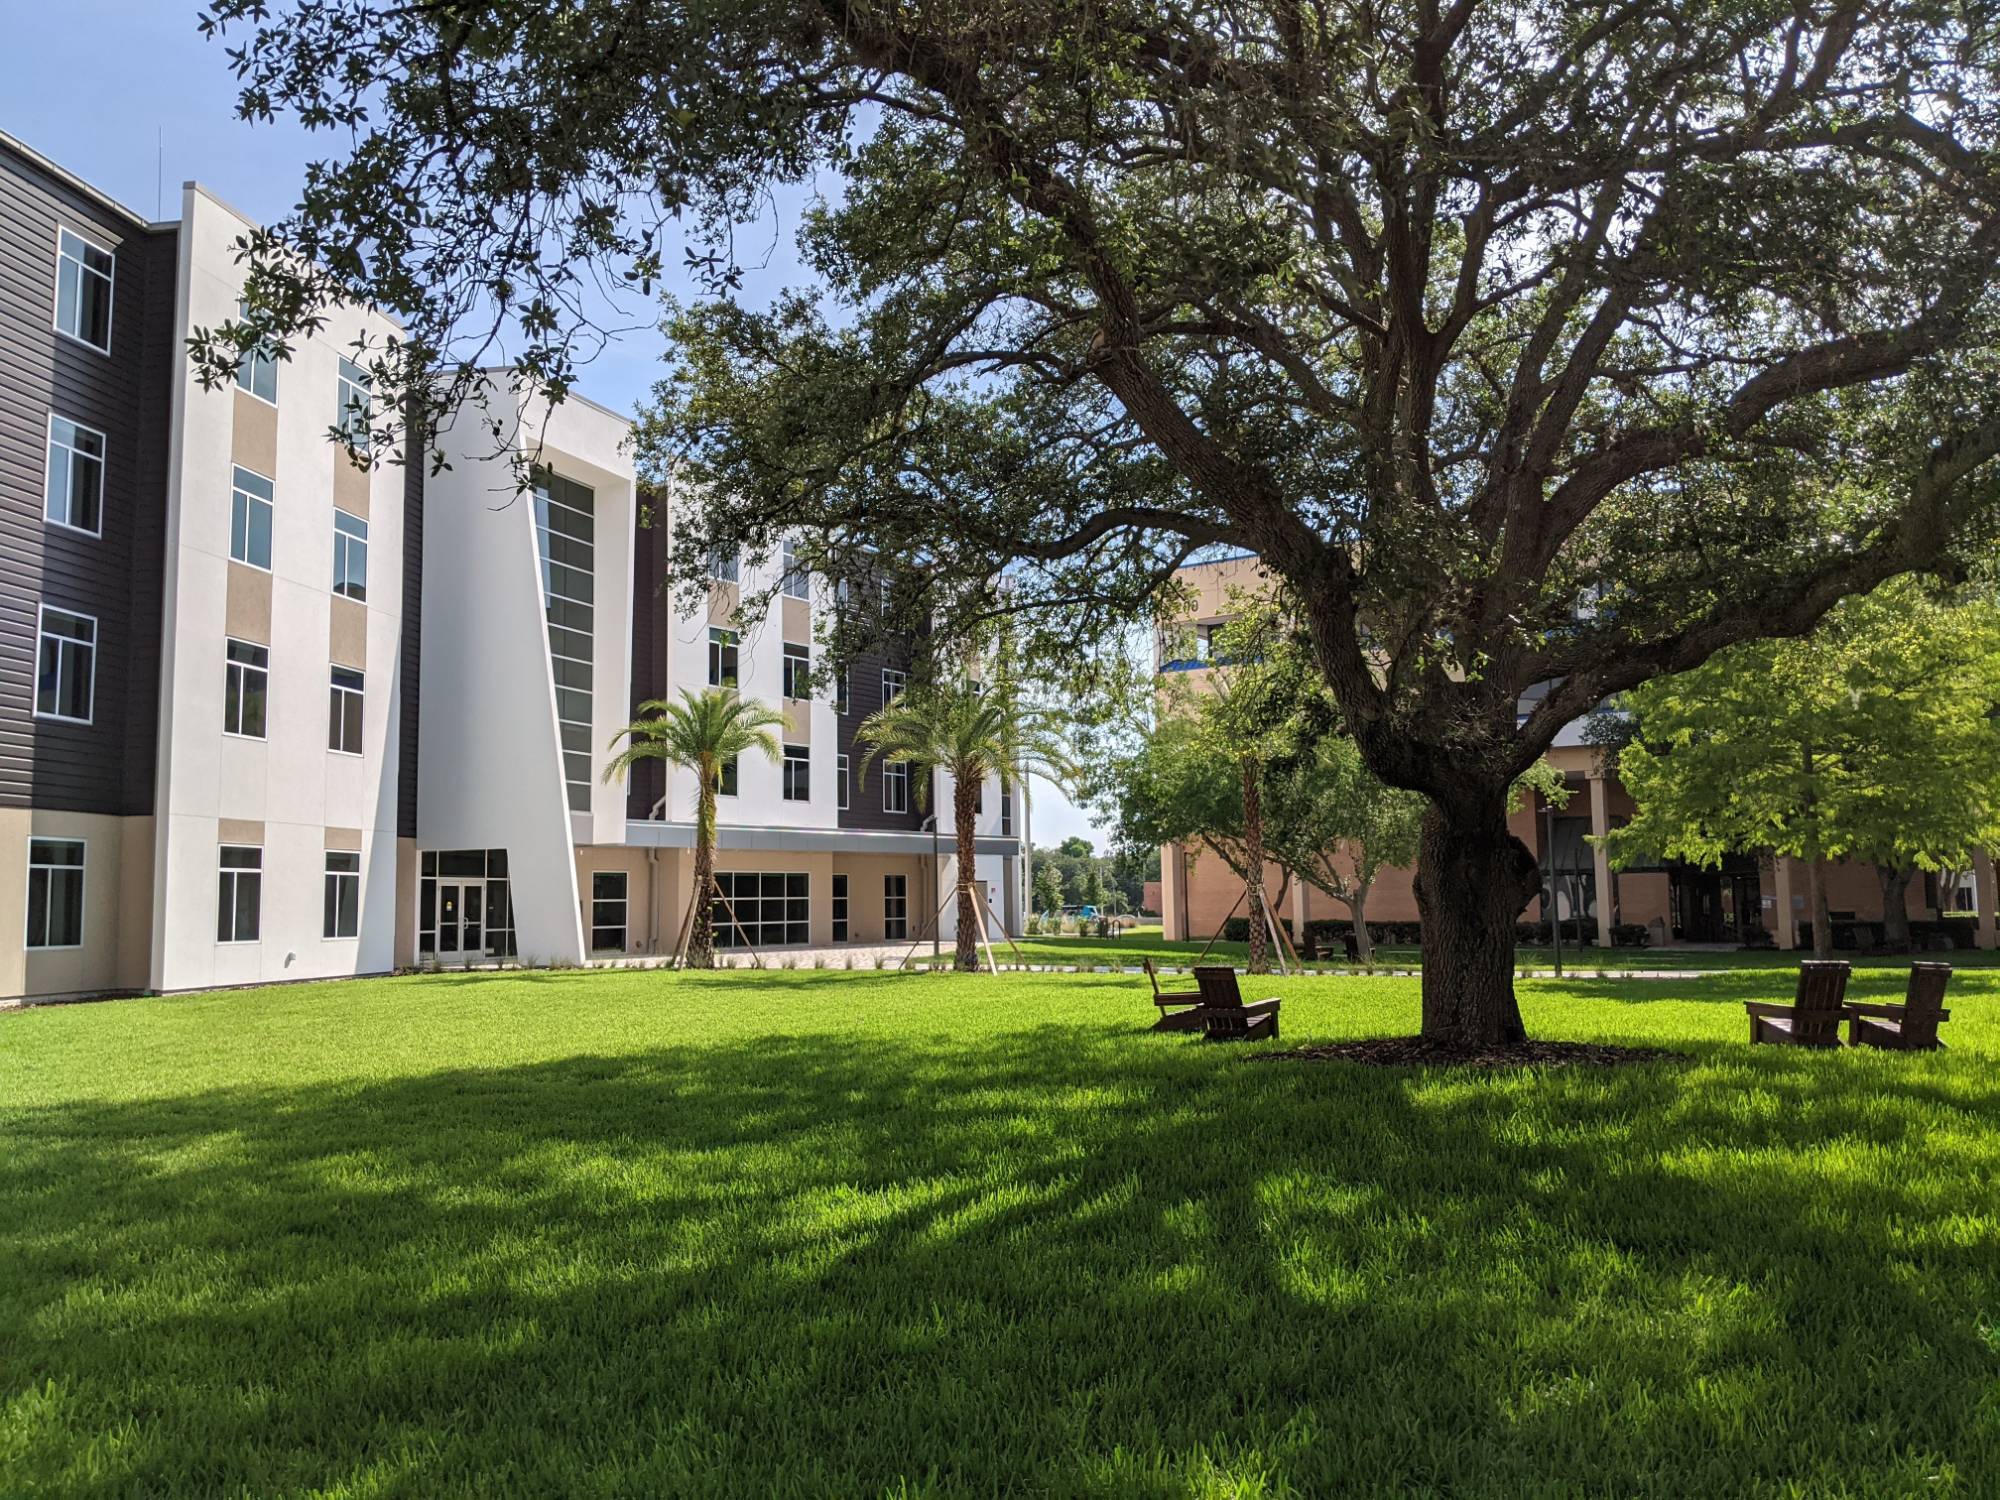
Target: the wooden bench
pixel 1909 1027
pixel 1224 1015
pixel 1180 1010
pixel 1813 1018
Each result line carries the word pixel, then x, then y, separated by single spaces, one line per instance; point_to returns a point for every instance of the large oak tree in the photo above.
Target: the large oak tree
pixel 1525 341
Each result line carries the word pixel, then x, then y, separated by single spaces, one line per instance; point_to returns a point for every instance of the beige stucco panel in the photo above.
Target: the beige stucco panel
pixel 117 904
pixel 347 634
pixel 351 484
pixel 253 436
pixel 247 609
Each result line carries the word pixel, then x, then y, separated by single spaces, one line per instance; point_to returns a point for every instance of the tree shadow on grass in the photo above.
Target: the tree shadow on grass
pixel 1050 1260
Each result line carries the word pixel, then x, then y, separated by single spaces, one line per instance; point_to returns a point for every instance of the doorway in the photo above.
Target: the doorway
pixel 461 918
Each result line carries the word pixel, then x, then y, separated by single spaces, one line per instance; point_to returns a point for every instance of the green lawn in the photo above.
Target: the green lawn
pixel 857 1234
pixel 1146 942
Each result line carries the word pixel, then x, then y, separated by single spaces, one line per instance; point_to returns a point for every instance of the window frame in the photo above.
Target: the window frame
pixel 902 684
pixel 797 583
pixel 250 499
pixel 895 908
pixel 261 356
pixel 232 874
pixel 345 545
pixel 230 668
pixel 623 900
pixel 42 608
pixel 100 458
pixel 842 784
pixel 729 778
pixel 331 911
pixel 336 692
pixel 896 773
pixel 82 868
pixel 797 668
pixel 837 909
pixel 344 408
pixel 82 270
pixel 718 573
pixel 792 896
pixel 722 640
pixel 797 774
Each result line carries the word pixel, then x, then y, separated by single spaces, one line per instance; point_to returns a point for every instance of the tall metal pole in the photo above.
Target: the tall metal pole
pixel 1555 907
pixel 937 874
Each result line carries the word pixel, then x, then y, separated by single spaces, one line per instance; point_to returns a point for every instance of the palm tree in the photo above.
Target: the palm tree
pixel 969 735
pixel 705 732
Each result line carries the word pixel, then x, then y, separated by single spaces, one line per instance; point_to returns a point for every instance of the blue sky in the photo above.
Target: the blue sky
pixel 129 96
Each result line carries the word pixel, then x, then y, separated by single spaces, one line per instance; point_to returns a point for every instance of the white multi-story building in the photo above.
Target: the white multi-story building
pixel 272 714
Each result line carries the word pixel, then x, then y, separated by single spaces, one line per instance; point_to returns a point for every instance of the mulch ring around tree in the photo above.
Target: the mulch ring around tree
pixel 1419 1052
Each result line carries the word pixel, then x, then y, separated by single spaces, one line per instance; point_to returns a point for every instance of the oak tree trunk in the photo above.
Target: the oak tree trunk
pixel 1253 852
pixel 1895 907
pixel 1473 879
pixel 1357 908
pixel 965 948
pixel 1822 923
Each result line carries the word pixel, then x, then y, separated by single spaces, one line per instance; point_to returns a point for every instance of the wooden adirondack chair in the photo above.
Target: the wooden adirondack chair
pixel 1909 1027
pixel 1180 1010
pixel 1224 1015
pixel 1813 1017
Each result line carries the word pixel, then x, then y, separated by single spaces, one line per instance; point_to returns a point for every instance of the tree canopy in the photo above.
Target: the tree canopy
pixel 1528 343
pixel 1875 738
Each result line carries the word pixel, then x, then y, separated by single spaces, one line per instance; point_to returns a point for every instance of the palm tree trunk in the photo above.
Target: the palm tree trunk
pixel 1253 851
pixel 701 939
pixel 965 951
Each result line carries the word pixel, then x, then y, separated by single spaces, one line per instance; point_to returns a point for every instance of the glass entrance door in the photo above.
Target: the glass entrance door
pixel 461 912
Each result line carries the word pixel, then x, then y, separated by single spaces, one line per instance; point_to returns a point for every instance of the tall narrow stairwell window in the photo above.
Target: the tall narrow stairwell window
pixel 565 534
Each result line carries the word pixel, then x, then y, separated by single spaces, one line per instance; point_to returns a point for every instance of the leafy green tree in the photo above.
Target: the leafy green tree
pixel 1875 738
pixel 1519 339
pixel 705 732
pixel 1048 889
pixel 969 735
pixel 1090 890
pixel 1077 848
pixel 1338 827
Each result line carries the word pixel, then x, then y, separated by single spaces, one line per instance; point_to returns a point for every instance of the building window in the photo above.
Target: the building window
pixel 798 581
pixel 73 485
pixel 247 680
pixel 840 908
pixel 725 567
pixel 257 369
pixel 239 902
pixel 723 646
pixel 840 775
pixel 350 556
pixel 895 786
pixel 726 781
pixel 843 698
pixel 798 670
pixel 798 773
pixel 566 539
pixel 343 718
pixel 352 415
pixel 83 290
pixel 758 909
pixel 55 893
pixel 607 911
pixel 250 519
pixel 895 907
pixel 343 894
pixel 1006 810
pixel 888 597
pixel 66 666
pixel 893 683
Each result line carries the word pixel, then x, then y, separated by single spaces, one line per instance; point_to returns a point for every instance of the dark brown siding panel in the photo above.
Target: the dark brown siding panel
pixel 651 608
pixel 107 765
pixel 865 801
pixel 410 665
